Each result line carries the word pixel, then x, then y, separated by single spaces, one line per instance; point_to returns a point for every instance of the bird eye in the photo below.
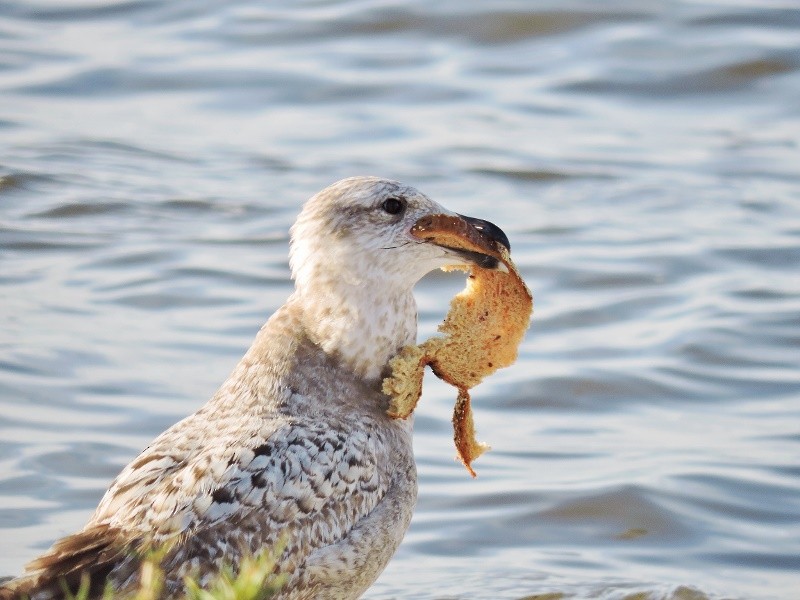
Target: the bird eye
pixel 393 206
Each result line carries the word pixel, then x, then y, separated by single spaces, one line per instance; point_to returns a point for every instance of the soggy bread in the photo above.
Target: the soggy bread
pixel 481 333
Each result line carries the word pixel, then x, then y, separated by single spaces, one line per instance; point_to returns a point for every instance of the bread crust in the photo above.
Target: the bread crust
pixel 480 334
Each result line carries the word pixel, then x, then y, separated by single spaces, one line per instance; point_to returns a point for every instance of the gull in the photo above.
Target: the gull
pixel 295 447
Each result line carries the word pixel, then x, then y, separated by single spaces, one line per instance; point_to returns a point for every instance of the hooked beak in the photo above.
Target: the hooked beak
pixel 490 230
pixel 474 240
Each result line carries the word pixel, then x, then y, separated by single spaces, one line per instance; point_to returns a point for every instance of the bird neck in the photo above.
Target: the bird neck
pixel 362 324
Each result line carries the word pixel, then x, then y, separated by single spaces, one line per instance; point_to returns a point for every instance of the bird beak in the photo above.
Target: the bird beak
pixel 475 240
pixel 489 230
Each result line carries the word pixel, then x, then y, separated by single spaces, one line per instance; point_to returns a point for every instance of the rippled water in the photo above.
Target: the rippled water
pixel 642 156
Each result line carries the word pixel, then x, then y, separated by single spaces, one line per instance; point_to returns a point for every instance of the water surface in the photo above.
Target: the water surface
pixel 642 157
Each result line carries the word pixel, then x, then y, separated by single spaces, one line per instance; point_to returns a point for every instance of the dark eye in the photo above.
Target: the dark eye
pixel 393 206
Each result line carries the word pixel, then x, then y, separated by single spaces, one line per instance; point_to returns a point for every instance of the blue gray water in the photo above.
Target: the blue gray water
pixel 642 156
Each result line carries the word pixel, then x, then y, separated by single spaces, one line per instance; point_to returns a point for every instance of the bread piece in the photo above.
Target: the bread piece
pixel 481 333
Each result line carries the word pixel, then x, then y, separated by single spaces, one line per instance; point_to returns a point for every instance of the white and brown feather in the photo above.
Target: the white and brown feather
pixel 295 445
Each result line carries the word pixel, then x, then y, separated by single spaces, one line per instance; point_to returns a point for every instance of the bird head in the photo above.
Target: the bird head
pixel 365 230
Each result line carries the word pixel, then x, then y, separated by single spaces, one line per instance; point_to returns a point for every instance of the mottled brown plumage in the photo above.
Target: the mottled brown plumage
pixel 296 443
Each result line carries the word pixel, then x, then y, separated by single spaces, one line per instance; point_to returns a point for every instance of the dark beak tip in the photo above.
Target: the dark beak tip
pixel 489 230
pixel 489 262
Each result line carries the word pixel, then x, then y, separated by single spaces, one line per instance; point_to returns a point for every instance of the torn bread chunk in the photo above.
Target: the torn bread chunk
pixel 481 333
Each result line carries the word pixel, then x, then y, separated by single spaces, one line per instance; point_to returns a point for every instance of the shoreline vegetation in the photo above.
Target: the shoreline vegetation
pixel 254 579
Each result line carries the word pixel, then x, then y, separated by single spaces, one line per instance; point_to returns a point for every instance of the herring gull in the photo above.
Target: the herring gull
pixel 296 444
